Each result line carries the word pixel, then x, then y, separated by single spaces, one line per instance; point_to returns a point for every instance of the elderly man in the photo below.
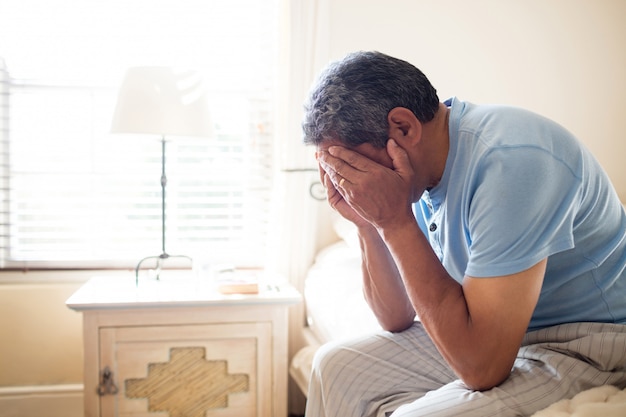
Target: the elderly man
pixel 493 248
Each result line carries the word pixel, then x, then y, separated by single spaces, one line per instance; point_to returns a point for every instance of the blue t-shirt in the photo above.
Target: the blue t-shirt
pixel 518 188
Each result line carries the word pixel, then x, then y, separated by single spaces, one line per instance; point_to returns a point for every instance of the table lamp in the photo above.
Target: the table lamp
pixel 165 102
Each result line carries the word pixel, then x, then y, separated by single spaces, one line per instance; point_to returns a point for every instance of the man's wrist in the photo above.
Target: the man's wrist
pixel 398 228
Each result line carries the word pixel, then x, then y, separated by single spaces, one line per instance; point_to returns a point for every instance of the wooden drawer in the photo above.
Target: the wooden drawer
pixel 188 370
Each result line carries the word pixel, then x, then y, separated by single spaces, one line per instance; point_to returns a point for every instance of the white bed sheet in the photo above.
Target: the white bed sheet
pixel 336 307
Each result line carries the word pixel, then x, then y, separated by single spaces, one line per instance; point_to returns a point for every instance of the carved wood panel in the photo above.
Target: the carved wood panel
pixel 188 385
pixel 189 370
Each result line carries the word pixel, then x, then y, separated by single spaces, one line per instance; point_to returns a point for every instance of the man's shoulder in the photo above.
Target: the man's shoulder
pixel 505 126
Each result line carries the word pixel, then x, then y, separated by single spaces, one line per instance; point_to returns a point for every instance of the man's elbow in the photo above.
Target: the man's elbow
pixel 395 320
pixel 396 325
pixel 484 379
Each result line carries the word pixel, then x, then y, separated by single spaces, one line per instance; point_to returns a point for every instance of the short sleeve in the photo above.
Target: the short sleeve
pixel 522 206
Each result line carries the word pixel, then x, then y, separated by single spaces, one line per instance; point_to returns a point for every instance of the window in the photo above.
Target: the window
pixel 76 196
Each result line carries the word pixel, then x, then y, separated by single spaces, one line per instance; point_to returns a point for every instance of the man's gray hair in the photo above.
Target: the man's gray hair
pixel 352 98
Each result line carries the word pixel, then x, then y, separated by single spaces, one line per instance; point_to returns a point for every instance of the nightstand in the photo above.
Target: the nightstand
pixel 180 349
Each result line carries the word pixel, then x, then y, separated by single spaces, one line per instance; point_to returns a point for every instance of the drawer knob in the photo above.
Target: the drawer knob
pixel 106 386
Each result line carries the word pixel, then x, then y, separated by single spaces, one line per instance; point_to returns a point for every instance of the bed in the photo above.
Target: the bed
pixel 336 309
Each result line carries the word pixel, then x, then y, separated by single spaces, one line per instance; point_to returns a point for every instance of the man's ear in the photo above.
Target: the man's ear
pixel 404 127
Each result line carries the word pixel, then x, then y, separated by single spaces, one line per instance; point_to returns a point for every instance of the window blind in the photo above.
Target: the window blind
pixel 4 161
pixel 75 196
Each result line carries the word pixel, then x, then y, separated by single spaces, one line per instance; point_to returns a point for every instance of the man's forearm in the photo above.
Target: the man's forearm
pixel 480 349
pixel 382 285
pixel 436 297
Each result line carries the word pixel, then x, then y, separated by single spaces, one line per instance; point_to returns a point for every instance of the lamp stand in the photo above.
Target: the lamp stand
pixel 164 255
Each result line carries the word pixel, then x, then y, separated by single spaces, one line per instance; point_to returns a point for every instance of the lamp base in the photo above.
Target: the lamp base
pixel 159 259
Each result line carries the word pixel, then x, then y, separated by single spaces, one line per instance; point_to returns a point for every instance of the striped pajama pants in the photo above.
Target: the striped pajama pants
pixel 403 374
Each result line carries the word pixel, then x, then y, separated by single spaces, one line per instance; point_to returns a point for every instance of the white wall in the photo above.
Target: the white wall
pixel 565 59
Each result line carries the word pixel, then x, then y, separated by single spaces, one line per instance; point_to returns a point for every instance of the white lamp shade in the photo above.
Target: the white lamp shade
pixel 162 101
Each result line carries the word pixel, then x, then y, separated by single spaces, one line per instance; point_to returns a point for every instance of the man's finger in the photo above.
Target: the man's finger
pixel 352 158
pixel 399 158
pixel 336 168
